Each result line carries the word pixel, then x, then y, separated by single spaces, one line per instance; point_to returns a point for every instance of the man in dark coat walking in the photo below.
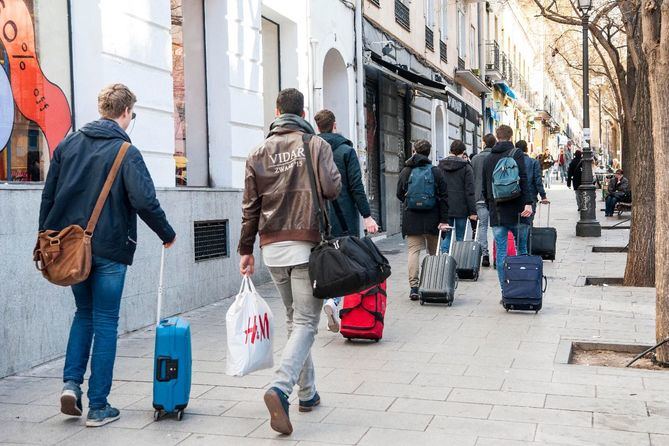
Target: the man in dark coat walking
pixel 352 200
pixel 459 177
pixel 421 228
pixel 574 177
pixel 79 168
pixel 504 216
pixel 344 212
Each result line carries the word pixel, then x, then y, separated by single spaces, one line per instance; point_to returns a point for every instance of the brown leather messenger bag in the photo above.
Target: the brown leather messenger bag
pixel 64 257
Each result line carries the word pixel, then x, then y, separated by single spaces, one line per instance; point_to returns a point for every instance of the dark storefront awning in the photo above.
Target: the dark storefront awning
pixel 408 75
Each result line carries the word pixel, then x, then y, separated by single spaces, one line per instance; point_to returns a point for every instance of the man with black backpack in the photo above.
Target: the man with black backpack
pixel 422 190
pixel 507 193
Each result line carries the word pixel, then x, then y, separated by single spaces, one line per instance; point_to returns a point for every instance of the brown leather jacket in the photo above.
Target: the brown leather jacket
pixel 277 201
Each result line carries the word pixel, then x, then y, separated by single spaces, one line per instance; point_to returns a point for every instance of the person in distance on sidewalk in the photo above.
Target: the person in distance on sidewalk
pixel 478 161
pixel 421 227
pixel 459 177
pixel 536 186
pixel 352 200
pixel 77 172
pixel 278 205
pixel 504 215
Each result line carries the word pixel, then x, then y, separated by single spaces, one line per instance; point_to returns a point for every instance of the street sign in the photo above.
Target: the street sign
pixel 586 133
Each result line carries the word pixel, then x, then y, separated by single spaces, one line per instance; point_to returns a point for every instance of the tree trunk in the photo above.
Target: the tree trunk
pixel 640 268
pixel 655 28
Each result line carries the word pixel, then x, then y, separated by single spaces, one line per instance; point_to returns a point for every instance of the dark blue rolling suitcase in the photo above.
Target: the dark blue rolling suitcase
pixel 172 361
pixel 524 283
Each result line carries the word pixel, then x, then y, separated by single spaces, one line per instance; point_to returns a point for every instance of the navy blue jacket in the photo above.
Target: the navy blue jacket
pixel 352 199
pixel 77 172
pixel 535 181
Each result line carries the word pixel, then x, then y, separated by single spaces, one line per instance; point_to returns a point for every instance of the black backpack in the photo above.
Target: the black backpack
pixel 343 265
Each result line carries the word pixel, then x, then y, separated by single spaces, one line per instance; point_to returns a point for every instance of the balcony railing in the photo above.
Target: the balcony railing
pixel 461 63
pixel 402 15
pixel 429 38
pixel 493 57
pixel 443 51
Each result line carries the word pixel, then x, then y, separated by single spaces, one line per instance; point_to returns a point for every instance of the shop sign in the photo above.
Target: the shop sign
pixel 455 105
pixel 472 115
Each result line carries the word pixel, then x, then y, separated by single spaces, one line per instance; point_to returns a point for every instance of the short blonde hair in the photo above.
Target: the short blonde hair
pixel 114 99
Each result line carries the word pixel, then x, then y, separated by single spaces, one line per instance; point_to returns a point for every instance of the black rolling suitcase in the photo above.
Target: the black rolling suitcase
pixel 467 255
pixel 438 277
pixel 544 238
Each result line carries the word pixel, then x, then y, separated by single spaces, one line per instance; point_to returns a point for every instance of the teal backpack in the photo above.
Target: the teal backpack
pixel 420 192
pixel 506 179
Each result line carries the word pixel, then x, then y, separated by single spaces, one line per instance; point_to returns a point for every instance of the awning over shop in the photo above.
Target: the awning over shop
pixel 506 90
pixel 408 75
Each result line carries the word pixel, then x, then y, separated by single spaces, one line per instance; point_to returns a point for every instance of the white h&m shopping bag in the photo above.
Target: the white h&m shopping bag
pixel 249 324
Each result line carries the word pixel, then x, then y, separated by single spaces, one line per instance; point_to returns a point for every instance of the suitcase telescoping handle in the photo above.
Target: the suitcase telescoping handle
pixel 160 286
pixel 548 219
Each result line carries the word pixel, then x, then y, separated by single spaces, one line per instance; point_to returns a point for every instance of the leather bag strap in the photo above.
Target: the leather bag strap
pixel 322 225
pixel 104 193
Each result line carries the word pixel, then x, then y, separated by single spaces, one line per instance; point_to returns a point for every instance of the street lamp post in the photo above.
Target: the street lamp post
pixel 587 226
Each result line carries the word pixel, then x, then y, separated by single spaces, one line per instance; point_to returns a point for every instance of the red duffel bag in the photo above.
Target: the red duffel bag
pixel 362 313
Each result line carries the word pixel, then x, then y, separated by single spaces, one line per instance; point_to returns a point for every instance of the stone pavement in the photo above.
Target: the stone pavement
pixel 471 374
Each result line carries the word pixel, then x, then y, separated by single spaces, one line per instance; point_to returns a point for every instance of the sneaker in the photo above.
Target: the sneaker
pixel 70 399
pixel 100 417
pixel 308 406
pixel 277 404
pixel 414 294
pixel 486 261
pixel 332 313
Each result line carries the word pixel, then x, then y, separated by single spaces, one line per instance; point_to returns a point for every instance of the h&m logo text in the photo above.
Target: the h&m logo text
pixel 257 328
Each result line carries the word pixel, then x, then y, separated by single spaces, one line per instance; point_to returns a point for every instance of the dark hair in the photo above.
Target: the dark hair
pixel 578 153
pixel 522 145
pixel 325 120
pixel 458 147
pixel 504 133
pixel 290 100
pixel 619 172
pixel 422 147
pixel 489 140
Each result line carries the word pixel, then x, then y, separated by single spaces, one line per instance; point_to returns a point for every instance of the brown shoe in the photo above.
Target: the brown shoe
pixel 277 404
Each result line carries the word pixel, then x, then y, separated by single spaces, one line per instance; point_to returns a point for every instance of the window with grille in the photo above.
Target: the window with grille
pixel 211 239
pixel 443 51
pixel 429 39
pixel 402 15
pixel 375 2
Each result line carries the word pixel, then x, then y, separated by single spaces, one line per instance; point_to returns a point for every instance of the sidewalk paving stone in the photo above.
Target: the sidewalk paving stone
pixel 469 375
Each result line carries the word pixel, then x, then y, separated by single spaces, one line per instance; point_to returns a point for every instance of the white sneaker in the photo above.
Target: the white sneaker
pixel 332 313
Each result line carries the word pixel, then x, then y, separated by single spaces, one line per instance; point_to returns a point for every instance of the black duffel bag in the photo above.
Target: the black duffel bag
pixel 343 265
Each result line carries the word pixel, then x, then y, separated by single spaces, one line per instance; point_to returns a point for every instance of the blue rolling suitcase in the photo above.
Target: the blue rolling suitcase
pixel 524 283
pixel 172 361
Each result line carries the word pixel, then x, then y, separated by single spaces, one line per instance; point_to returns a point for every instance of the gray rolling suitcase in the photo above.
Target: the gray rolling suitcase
pixel 467 255
pixel 438 278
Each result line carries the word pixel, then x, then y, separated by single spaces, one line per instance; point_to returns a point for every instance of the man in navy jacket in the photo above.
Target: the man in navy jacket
pixel 77 172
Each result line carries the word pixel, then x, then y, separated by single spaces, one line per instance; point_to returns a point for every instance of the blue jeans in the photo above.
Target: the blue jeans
pixel 501 233
pixel 95 322
pixel 611 201
pixel 459 224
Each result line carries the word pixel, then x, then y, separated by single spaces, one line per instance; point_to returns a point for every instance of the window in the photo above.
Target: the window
pixel 473 59
pixel 443 20
pixel 35 86
pixel 402 15
pixel 429 13
pixel 189 82
pixel 462 33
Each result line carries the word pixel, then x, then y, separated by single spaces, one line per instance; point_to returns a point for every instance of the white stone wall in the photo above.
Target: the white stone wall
pixel 128 41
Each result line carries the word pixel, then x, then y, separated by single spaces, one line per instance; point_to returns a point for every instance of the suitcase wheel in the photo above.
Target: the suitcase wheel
pixel 422 302
pixel 180 415
pixel 449 304
pixel 377 340
pixel 156 415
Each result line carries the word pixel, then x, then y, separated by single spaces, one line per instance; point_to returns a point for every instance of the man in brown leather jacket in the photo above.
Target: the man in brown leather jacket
pixel 278 205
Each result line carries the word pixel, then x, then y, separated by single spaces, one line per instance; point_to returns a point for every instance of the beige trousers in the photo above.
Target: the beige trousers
pixel 415 244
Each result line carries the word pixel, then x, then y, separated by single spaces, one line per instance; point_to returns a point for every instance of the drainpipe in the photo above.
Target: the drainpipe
pixel 359 82
pixel 480 9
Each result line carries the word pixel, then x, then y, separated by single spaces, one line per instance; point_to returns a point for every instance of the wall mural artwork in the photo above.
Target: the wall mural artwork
pixel 23 83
